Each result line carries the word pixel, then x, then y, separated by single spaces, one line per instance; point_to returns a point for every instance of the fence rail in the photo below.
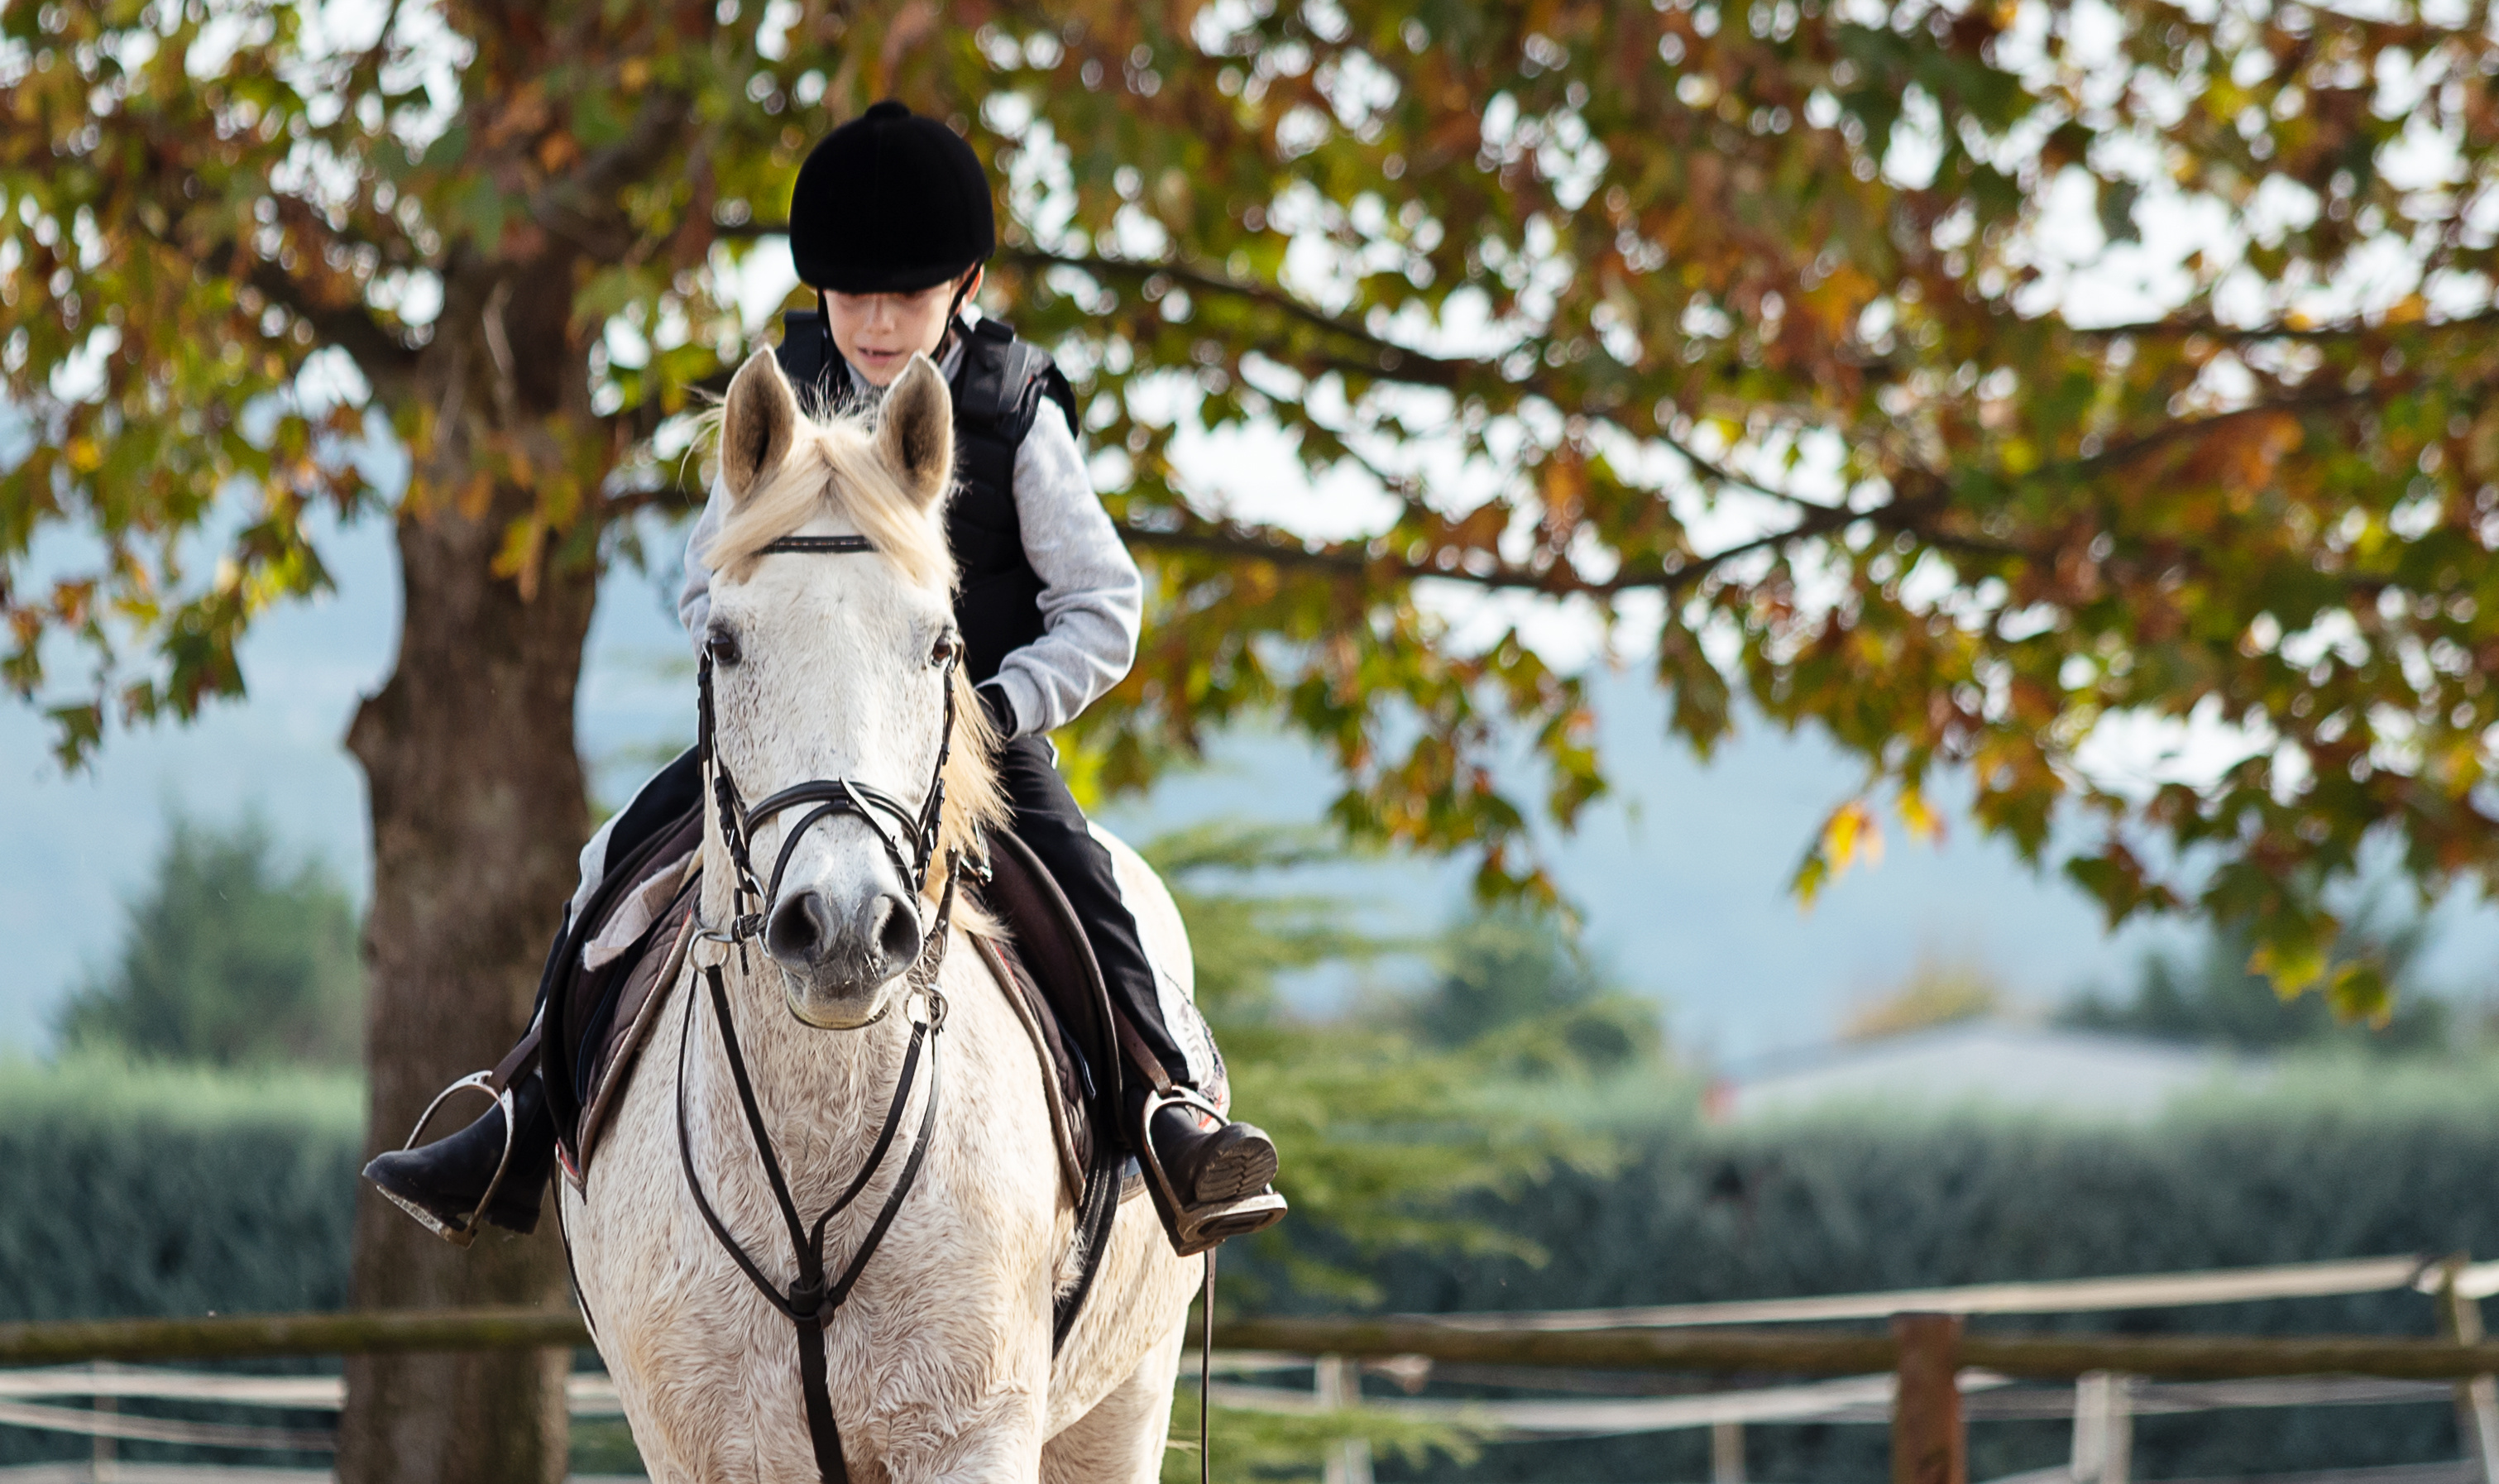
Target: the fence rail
pixel 2055 1295
pixel 240 1336
pixel 1930 1356
pixel 2036 1357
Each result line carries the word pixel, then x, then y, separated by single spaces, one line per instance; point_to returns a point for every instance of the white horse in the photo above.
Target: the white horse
pixel 939 1366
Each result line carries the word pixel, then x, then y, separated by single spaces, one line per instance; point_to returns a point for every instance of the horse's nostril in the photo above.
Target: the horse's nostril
pixel 900 937
pixel 801 929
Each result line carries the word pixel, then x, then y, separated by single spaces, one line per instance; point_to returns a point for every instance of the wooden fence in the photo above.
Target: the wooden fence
pixel 1927 1351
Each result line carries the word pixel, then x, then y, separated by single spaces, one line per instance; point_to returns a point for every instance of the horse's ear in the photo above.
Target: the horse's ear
pixel 916 432
pixel 757 425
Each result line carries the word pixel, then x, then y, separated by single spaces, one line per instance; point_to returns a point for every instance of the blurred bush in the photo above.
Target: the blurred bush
pixel 154 1190
pixel 2337 1157
pixel 230 956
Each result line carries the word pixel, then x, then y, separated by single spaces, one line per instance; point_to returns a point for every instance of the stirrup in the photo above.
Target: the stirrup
pixel 1195 1230
pixel 466 1232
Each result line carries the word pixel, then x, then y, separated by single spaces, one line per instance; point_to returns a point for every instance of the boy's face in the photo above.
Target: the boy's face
pixel 878 333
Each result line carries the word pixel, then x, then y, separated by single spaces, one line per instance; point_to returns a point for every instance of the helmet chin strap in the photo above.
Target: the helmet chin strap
pixel 963 291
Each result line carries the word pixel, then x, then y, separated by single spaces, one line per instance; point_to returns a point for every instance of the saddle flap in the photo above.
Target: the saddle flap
pixel 1049 942
pixel 577 1003
pixel 1062 1077
pixel 619 1040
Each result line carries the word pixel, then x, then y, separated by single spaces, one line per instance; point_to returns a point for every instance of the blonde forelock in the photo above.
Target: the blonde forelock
pixel 833 469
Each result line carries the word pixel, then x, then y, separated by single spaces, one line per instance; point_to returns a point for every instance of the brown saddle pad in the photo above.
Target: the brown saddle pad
pixel 1041 964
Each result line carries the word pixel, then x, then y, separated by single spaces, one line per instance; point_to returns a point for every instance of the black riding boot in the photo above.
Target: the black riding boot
pixel 1211 1180
pixel 442 1182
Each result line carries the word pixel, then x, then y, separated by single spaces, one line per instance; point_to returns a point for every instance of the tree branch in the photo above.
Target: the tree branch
pixel 1722 474
pixel 2212 329
pixel 1394 362
pixel 1351 559
pixel 581 206
pixel 382 356
pixel 2187 427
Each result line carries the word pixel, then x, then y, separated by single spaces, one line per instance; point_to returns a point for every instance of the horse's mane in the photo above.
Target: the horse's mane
pixel 833 469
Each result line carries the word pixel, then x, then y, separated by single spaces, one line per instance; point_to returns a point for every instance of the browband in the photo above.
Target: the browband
pixel 839 544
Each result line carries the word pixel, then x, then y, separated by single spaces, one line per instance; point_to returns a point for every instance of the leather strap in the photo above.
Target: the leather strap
pixel 1206 1371
pixel 824 1434
pixel 1094 1213
pixel 810 1304
pixel 517 1060
pixel 836 545
pixel 1142 1056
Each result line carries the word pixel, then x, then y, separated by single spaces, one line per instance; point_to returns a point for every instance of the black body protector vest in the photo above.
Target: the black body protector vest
pixel 997 388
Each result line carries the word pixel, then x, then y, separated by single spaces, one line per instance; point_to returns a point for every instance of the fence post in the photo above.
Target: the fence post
pixel 1726 1453
pixel 2104 1427
pixel 104 1457
pixel 1338 1380
pixel 1928 1443
pixel 2477 1398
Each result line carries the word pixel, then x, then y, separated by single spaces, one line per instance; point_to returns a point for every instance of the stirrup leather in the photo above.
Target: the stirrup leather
pixel 493 1086
pixel 1196 1229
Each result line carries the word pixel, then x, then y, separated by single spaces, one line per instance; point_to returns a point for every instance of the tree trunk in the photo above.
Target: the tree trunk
pixel 479 813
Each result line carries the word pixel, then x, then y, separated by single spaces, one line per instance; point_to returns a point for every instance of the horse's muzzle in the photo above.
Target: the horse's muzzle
pixel 835 963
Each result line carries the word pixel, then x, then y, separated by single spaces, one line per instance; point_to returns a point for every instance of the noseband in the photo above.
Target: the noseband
pixel 810 1303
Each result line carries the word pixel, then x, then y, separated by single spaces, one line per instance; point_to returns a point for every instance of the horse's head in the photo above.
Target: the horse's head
pixel 836 668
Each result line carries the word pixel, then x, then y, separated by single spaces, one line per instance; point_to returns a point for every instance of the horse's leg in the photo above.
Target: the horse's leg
pixel 1120 1441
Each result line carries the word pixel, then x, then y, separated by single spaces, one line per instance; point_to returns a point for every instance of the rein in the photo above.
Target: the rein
pixel 810 1302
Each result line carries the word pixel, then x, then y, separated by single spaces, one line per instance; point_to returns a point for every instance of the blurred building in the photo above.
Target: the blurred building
pixel 1984 1063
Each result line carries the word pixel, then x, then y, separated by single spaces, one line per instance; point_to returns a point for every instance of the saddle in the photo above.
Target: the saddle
pixel 627 951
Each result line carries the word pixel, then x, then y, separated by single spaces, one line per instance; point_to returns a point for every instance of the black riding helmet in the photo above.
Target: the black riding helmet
pixel 889 203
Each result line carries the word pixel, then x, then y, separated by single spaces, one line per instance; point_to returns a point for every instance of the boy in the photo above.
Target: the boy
pixel 891 222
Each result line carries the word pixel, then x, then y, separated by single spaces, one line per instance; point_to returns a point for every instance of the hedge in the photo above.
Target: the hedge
pixel 2331 1159
pixel 133 1190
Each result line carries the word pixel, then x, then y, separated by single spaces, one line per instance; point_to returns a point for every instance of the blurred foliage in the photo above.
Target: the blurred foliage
pixel 150 1190
pixel 2337 1157
pixel 1273 1445
pixel 2209 995
pixel 1379 1137
pixel 108 1091
pixel 230 956
pixel 1937 991
pixel 1746 332
pixel 1517 984
pixel 1376 1135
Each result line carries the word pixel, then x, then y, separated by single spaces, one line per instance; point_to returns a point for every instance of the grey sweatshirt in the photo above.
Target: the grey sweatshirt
pixel 1091 599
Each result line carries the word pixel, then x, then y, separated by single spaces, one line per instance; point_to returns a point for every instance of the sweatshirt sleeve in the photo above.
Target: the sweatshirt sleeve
pixel 1092 600
pixel 694 596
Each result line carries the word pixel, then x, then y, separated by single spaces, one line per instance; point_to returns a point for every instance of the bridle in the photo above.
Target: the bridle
pixel 831 796
pixel 810 1303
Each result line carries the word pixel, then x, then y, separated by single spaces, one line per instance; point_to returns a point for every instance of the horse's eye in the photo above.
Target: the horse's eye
pixel 947 649
pixel 721 644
